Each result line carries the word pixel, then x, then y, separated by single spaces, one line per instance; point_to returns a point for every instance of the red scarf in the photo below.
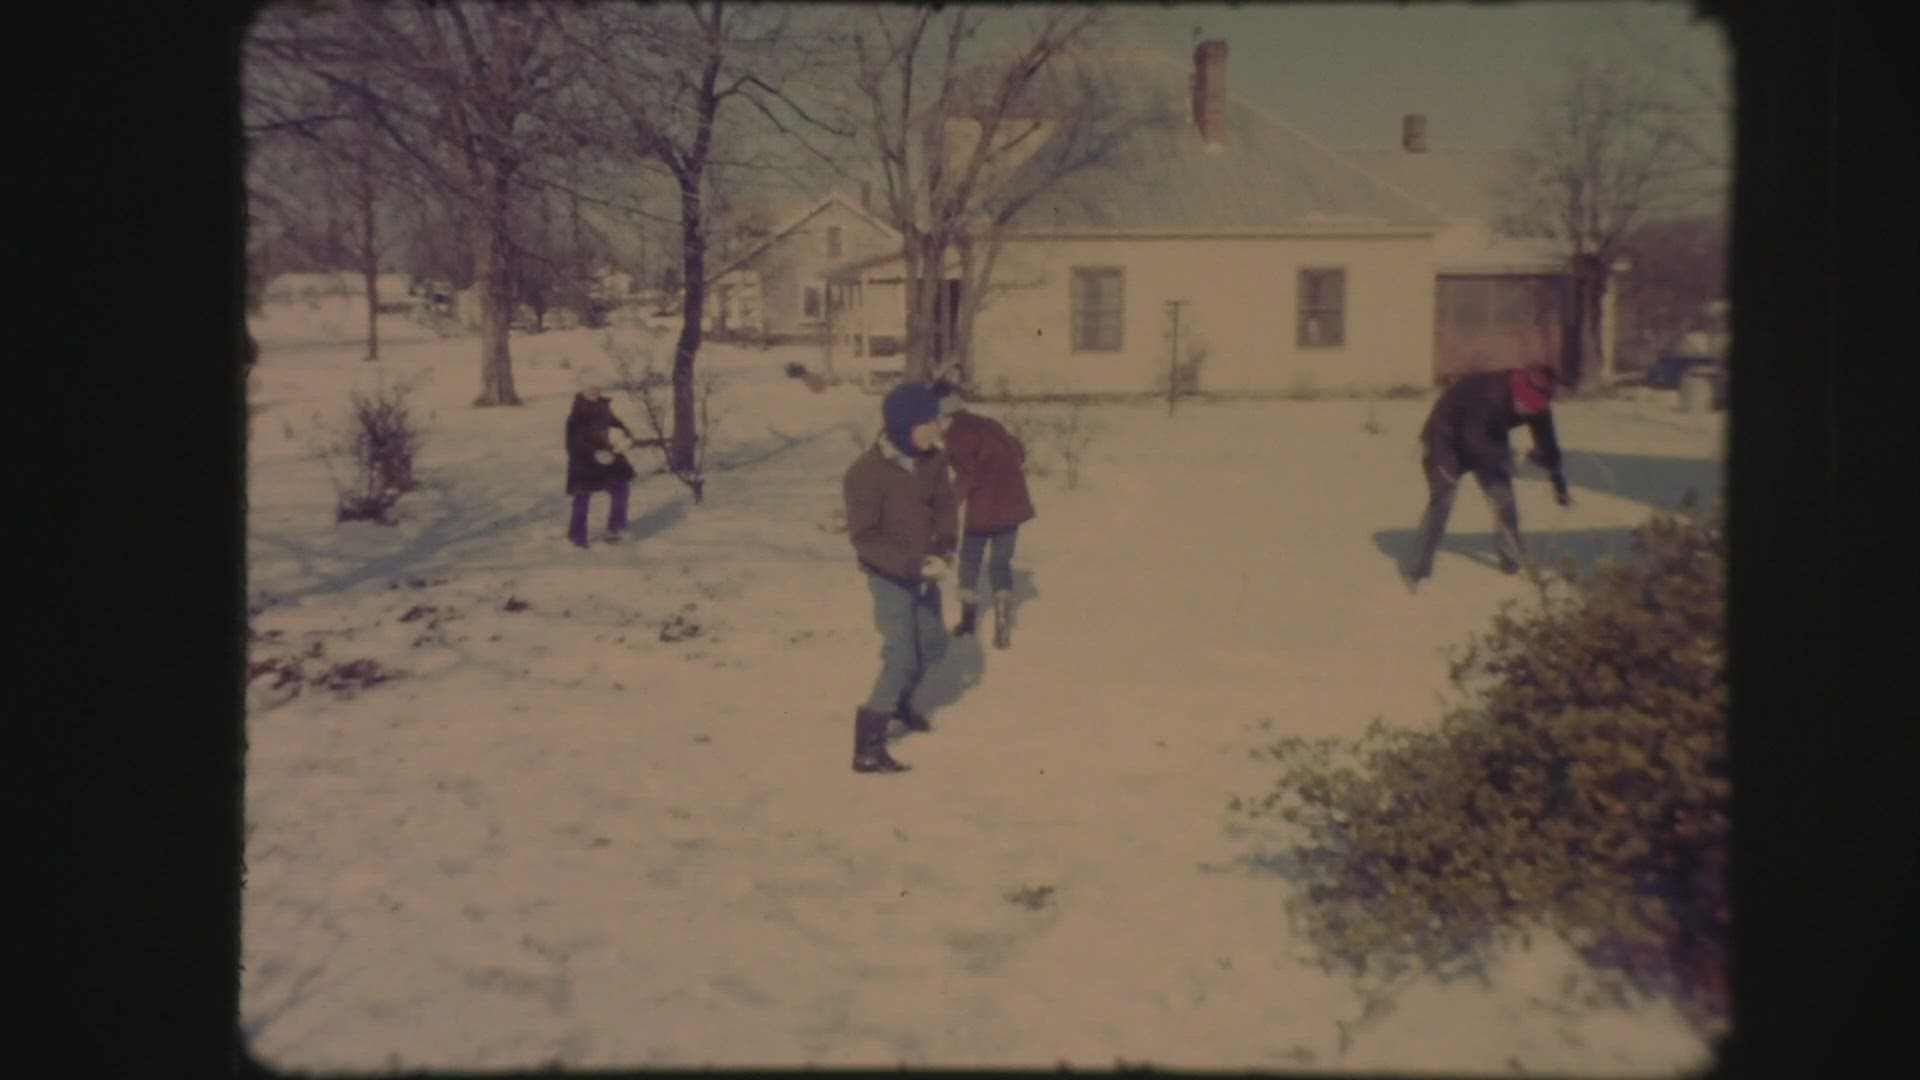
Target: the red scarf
pixel 1532 390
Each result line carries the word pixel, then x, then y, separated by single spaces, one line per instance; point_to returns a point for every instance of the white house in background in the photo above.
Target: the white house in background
pixel 1278 260
pixel 777 289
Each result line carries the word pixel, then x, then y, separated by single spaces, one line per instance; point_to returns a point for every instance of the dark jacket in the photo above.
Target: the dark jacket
pixel 1467 430
pixel 588 427
pixel 897 517
pixel 990 481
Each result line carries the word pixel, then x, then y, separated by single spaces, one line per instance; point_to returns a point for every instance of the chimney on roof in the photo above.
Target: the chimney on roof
pixel 866 195
pixel 1210 91
pixel 1413 134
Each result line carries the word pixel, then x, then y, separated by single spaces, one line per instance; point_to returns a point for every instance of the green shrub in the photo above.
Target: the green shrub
pixel 1581 787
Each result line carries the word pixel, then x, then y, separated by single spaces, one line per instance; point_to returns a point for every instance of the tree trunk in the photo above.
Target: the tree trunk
pixel 925 282
pixel 1603 332
pixel 1574 352
pixel 693 248
pixel 370 264
pixel 496 295
pixel 1590 343
pixel 369 237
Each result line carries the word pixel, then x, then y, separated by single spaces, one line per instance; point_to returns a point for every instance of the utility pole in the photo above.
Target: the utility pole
pixel 1173 360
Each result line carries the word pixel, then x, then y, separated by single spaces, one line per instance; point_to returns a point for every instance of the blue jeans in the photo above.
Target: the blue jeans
pixel 997 546
pixel 616 514
pixel 912 640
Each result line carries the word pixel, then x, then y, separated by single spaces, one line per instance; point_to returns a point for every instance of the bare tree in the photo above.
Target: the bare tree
pixel 322 170
pixel 1696 97
pixel 668 84
pixel 1602 159
pixel 950 102
pixel 459 88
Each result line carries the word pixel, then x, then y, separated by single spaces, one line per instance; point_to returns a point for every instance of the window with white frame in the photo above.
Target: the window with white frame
pixel 1098 308
pixel 833 241
pixel 1323 308
pixel 810 301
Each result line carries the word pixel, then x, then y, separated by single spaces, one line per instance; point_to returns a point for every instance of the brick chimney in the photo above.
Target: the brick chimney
pixel 1413 134
pixel 866 195
pixel 1210 91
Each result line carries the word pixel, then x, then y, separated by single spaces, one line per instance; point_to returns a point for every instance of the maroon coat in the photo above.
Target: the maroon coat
pixel 988 467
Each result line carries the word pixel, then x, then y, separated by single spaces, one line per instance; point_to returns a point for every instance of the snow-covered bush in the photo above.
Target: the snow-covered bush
pixel 1583 787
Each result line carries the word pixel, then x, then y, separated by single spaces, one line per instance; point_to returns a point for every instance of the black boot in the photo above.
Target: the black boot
pixel 1002 619
pixel 870 744
pixel 968 614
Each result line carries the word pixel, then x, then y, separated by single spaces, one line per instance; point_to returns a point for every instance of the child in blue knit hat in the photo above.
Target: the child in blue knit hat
pixel 904 525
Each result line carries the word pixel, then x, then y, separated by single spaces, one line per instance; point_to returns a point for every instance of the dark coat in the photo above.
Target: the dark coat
pixel 987 467
pixel 588 429
pixel 1467 430
pixel 897 517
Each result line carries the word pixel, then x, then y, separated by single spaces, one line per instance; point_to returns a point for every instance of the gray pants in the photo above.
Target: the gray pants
pixel 1440 493
pixel 912 640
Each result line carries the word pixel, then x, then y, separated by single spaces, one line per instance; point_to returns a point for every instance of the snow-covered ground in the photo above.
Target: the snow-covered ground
pixel 566 836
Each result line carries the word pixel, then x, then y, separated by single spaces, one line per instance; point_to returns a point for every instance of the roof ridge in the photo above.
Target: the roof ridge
pixel 833 196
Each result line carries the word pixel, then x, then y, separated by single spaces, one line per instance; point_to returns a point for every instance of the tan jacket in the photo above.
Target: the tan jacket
pixel 899 511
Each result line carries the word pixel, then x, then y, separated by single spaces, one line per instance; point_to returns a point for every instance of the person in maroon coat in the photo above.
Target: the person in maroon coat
pixel 1467 433
pixel 991 486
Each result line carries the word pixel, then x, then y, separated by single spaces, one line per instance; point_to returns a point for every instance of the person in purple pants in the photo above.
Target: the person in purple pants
pixel 593 464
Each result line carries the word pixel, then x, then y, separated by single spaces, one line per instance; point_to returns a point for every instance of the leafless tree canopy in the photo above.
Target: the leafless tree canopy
pixel 505 132
pixel 463 93
pixel 948 103
pixel 679 87
pixel 1604 157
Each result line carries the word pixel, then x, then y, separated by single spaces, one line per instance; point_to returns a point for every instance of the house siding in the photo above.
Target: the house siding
pixel 1242 297
pixel 800 259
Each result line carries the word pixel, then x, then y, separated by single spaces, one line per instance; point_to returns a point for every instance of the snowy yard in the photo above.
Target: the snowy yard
pixel 580 831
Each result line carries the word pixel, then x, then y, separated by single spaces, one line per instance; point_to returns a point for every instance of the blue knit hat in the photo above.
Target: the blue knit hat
pixel 906 407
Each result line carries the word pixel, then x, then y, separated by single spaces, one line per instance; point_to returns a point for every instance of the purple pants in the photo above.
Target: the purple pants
pixel 616 516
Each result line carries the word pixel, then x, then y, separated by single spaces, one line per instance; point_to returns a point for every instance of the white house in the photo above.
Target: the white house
pixel 782 280
pixel 1212 232
pixel 1275 259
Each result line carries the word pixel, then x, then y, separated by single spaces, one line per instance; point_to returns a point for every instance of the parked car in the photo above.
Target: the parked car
pixel 1669 371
